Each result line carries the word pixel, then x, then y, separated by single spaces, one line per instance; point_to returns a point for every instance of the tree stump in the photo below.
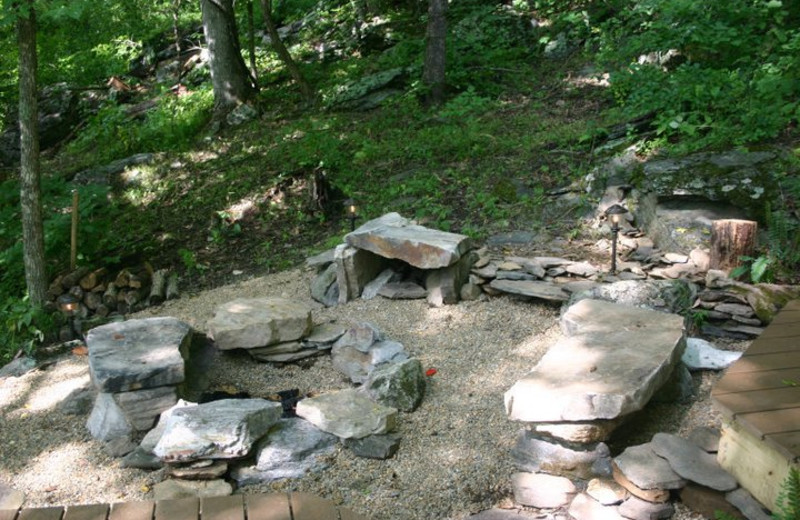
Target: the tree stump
pixel 730 240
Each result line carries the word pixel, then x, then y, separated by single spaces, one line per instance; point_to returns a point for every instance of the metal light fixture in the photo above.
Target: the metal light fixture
pixel 352 215
pixel 614 214
pixel 68 305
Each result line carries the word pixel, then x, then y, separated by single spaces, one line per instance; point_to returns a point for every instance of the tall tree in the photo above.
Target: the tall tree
pixel 433 74
pixel 283 52
pixel 230 78
pixel 30 176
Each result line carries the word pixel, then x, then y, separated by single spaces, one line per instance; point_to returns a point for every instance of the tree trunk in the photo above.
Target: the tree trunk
pixel 29 173
pixel 433 74
pixel 251 41
pixel 229 75
pixel 283 52
pixel 730 240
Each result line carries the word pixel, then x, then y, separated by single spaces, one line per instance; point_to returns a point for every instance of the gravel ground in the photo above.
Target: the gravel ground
pixel 454 456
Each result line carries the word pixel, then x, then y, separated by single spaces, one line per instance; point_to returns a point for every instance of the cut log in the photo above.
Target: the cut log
pixel 172 287
pixel 123 279
pixel 72 278
pixel 93 300
pixel 730 240
pixel 77 292
pixel 93 279
pixel 110 296
pixel 132 297
pixel 55 290
pixel 102 311
pixel 158 289
pixel 139 280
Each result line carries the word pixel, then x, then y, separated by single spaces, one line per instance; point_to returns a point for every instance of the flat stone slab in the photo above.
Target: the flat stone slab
pixel 702 355
pixel 692 463
pixel 613 361
pixel 348 414
pixel 259 322
pixel 392 236
pixel 223 429
pixel 533 289
pixel 138 354
pixel 645 469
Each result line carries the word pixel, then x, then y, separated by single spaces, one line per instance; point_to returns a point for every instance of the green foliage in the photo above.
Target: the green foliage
pixel 22 327
pixel 758 269
pixel 788 503
pixel 172 125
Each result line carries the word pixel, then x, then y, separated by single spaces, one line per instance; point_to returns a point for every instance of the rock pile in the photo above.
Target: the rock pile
pixel 136 367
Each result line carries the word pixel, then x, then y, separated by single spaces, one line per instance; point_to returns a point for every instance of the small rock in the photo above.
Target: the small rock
pixel 638 509
pixel 748 505
pixel 692 463
pixel 584 507
pixel 541 490
pixel 347 414
pixel 141 459
pixel 702 355
pixel 403 291
pixel 607 492
pixel 707 502
pixel 379 447
pixel 199 470
pixel 18 367
pixel 173 489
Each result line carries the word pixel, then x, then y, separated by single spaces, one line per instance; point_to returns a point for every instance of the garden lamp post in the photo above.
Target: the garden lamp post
pixel 614 214
pixel 68 305
pixel 350 209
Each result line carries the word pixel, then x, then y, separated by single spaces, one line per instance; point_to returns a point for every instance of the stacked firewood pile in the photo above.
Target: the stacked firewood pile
pixel 100 292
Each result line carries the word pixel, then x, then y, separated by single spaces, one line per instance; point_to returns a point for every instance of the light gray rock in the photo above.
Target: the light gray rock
pixel 373 287
pixel 606 491
pixel 143 407
pixel 141 459
pixel 584 269
pixel 529 265
pixel 514 275
pixel 173 489
pixel 580 432
pixel 321 286
pixel 706 438
pixel 749 506
pixel 324 335
pixel 584 507
pixel 540 290
pixel 534 454
pixel 637 509
pixel 359 336
pixel 10 498
pixel 673 296
pixel 506 514
pixel 80 401
pixel 692 463
pixel 679 388
pixel 321 260
pixel 119 446
pixel 18 367
pixel 379 447
pixel 645 469
pixel 602 370
pixel 542 491
pixel 259 322
pixel 392 236
pixel 107 420
pixel 151 438
pixel 359 351
pixel 398 384
pixel 443 285
pixel 403 291
pixel 198 470
pixel 735 309
pixel 470 292
pixel 222 429
pixel 348 414
pixel 702 355
pixel 291 449
pixel 137 354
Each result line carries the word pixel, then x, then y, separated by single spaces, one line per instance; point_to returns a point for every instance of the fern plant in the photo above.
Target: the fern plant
pixel 788 503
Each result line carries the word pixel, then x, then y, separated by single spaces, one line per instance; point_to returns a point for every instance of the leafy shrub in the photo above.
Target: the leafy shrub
pixel 22 327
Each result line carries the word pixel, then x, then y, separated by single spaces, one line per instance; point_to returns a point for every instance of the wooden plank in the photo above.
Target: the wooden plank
pixel 87 512
pixel 180 509
pixel 772 346
pixel 274 506
pixel 222 508
pixel 306 506
pixel 793 305
pixel 41 513
pixel 781 330
pixel 132 511
pixel 788 444
pixel 346 514
pixel 8 514
pixel 760 400
pixel 771 422
pixel 758 468
pixel 765 362
pixel 745 382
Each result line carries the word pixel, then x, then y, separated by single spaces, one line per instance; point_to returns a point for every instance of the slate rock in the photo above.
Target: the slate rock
pixel 18 367
pixel 324 335
pixel 403 291
pixel 80 401
pixel 143 407
pixel 706 438
pixel 259 322
pixel 10 498
pixel 642 466
pixel 107 420
pixel 354 358
pixel 637 509
pixel 505 514
pixel 542 491
pixel 198 470
pixel 137 354
pixel 443 285
pixel 470 292
pixel 321 261
pixel 355 268
pixel 582 432
pixel 692 463
pixel 348 414
pixel 398 384
pixel 708 502
pixel 672 296
pixel 532 289
pixel 584 507
pixel 173 489
pixel 392 236
pixel 606 491
pixel 651 495
pixel 151 438
pixel 679 388
pixel 321 287
pixel 359 336
pixel 379 447
pixel 119 446
pixel 139 458
pixel 702 355
pixel 534 454
pixel 372 289
pixel 749 506
pixel 222 429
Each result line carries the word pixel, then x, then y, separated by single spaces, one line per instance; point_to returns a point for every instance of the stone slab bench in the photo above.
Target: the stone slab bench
pixel 273 506
pixel 759 400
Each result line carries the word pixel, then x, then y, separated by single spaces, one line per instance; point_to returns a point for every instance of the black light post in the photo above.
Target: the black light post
pixel 350 209
pixel 614 214
pixel 68 304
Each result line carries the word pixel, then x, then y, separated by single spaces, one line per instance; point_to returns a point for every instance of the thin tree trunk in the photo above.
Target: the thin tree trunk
pixel 230 78
pixel 30 182
pixel 251 41
pixel 176 33
pixel 283 52
pixel 433 74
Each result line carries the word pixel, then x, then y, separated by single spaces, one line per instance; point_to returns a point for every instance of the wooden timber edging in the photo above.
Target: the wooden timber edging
pixel 273 506
pixel 759 399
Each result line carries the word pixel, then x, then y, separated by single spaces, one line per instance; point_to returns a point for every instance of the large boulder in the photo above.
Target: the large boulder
pixel 259 322
pixel 348 414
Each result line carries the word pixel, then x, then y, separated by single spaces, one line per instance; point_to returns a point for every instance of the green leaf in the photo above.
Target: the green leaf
pixel 759 268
